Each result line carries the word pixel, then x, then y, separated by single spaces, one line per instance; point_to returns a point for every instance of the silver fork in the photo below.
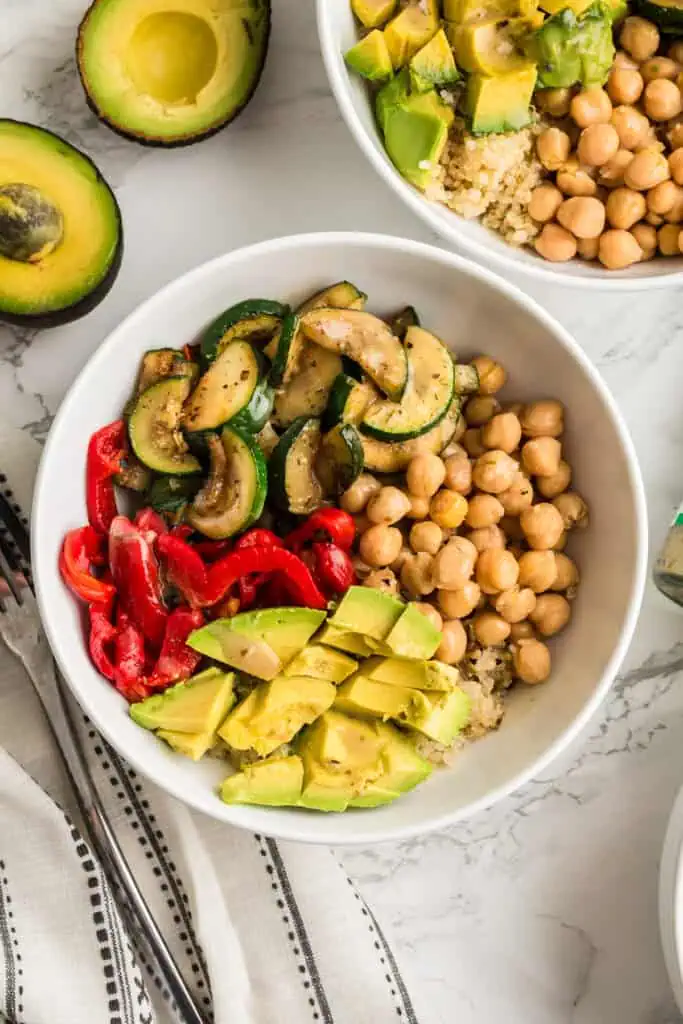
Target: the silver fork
pixel 21 630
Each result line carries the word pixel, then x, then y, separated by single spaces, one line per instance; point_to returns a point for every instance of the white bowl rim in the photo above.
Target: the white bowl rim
pixel 423 208
pixel 561 335
pixel 671 899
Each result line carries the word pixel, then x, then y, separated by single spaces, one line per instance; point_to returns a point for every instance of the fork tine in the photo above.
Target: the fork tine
pixel 8 574
pixel 14 526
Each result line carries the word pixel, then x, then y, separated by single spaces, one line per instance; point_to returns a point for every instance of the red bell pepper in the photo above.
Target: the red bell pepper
pixel 150 522
pixel 129 666
pixel 228 570
pixel 209 550
pixel 184 568
pixel 258 538
pixel 100 639
pixel 136 577
pixel 333 569
pixel 177 661
pixel 106 449
pixel 327 524
pixel 83 548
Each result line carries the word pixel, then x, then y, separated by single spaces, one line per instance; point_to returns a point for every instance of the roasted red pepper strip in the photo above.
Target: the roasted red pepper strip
pixel 105 453
pixel 177 661
pixel 333 569
pixel 81 549
pixel 209 550
pixel 136 577
pixel 325 523
pixel 232 567
pixel 129 666
pixel 151 522
pixel 184 568
pixel 101 635
pixel 258 538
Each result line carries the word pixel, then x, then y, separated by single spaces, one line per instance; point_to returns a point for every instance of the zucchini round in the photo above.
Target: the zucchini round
pixel 308 390
pixel 283 348
pixel 393 457
pixel 666 14
pixel 256 412
pixel 154 428
pixel 427 397
pixel 401 321
pixel 256 319
pixel 159 363
pixel 340 459
pixel 234 494
pixel 342 295
pixel 348 401
pixel 294 485
pixel 225 389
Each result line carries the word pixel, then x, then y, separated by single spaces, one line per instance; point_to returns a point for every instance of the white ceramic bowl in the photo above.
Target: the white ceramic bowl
pixel 338 31
pixel 475 312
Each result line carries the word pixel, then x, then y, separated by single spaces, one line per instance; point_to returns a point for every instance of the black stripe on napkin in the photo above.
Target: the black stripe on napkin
pixel 9 945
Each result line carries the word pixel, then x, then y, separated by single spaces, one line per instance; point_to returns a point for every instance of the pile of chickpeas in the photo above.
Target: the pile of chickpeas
pixel 475 537
pixel 616 159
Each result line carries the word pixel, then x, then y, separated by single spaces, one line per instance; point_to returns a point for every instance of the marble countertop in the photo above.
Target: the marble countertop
pixel 544 909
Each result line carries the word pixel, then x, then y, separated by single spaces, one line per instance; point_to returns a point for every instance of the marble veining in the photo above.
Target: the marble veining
pixel 542 910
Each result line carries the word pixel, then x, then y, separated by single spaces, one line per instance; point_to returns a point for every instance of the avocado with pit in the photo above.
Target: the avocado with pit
pixel 570 50
pixel 402 769
pixel 373 13
pixel 413 636
pixel 344 640
pixel 275 782
pixel 370 57
pixel 408 32
pixel 170 76
pixel 416 675
pixel 371 613
pixel 500 103
pixel 61 239
pixel 438 716
pixel 414 127
pixel 434 64
pixel 341 755
pixel 369 698
pixel 275 711
pixel 319 662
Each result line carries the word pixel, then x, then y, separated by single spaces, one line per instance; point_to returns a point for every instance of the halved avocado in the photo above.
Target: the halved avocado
pixel 169 74
pixel 61 238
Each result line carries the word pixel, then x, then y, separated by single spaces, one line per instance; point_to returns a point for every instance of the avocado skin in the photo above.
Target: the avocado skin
pixel 59 317
pixel 148 140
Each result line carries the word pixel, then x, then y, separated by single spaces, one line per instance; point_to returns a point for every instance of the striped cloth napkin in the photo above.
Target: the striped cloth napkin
pixel 265 932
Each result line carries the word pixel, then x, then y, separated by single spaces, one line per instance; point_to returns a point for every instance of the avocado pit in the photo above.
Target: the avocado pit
pixel 31 226
pixel 171 56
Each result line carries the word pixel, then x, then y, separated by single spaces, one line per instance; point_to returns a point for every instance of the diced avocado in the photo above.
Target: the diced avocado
pixel 568 49
pixel 410 30
pixel 274 712
pixel 417 675
pixel 286 630
pixel 341 755
pixel 368 612
pixel 460 11
pixel 219 641
pixel 368 698
pixel 275 782
pixel 190 744
pixel 344 640
pixel 372 13
pixel 402 769
pixel 434 64
pixel 555 6
pixel 415 128
pixel 500 103
pixel 413 636
pixel 370 57
pixel 439 717
pixel 488 46
pixel 198 705
pixel 318 662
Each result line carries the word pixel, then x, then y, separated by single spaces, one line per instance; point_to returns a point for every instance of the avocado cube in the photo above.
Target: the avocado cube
pixel 440 717
pixel 416 675
pixel 341 755
pixel 197 705
pixel 500 103
pixel 352 643
pixel 275 782
pixel 434 64
pixel 319 662
pixel 414 127
pixel 372 13
pixel 409 31
pixel 274 712
pixel 413 636
pixel 190 744
pixel 368 698
pixel 370 57
pixel 368 612
pixel 402 769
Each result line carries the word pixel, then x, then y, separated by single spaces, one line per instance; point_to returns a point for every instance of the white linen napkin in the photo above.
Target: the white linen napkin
pixel 265 932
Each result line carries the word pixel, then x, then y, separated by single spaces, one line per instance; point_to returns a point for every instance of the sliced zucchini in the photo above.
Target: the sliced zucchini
pixel 666 14
pixel 284 348
pixel 172 493
pixel 293 481
pixel 340 459
pixel 132 474
pixel 154 428
pixel 342 295
pixel 267 440
pixel 348 401
pixel 160 363
pixel 307 393
pixel 427 397
pixel 401 321
pixel 254 319
pixel 392 457
pixel 466 379
pixel 364 338
pixel 235 492
pixel 256 412
pixel 225 389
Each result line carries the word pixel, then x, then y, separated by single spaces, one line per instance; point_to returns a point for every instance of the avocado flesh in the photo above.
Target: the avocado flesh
pixel 370 57
pixel 198 705
pixel 368 612
pixel 415 128
pixel 409 31
pixel 416 675
pixel 500 103
pixel 318 662
pixel 341 755
pixel 285 630
pixel 488 46
pixel 434 64
pixel 570 50
pixel 275 782
pixel 372 13
pixel 402 769
pixel 171 76
pixel 190 744
pixel 368 698
pixel 274 712
pixel 248 654
pixel 440 717
pixel 413 636
pixel 60 229
pixel 344 640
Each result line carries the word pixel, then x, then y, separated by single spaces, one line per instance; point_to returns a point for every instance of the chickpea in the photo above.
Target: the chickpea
pixel 659 67
pixel 388 506
pixel 625 208
pixel 675 52
pixel 402 557
pixel 624 85
pixel 487 538
pixel 384 580
pixel 454 564
pixel 544 202
pixel 458 604
pixel 458 474
pixel 551 486
pixel 611 174
pixel 484 510
pixel 426 536
pixel 561 543
pixel 542 525
pixel 551 614
pixel 573 510
pixel 661 198
pixel 541 456
pixel 590 106
pixel 417 575
pixel 543 419
pixel 490 630
pixel 492 376
pixel 555 102
pixel 553 147
pixel 429 612
pixel 515 604
pixel 646 237
pixel 355 498
pixel 618 249
pixel 519 495
pixel 515 408
pixel 460 428
pixel 502 432
pixel 453 448
pixel 537 570
pixel 625 60
pixel 675 136
pixel 587 248
pixel 419 507
pixel 667 240
pixel 531 660
pixel 494 471
pixel 425 474
pixel 448 509
pixel 555 243
pixel 675 214
pixel 583 216
pixel 511 528
pixel 472 442
pixel 646 170
pixel 574 180
pixel 676 165
pixel 567 574
pixel 597 144
pixel 380 545
pixel 496 570
pixel 360 568
pixel 640 38
pixel 662 100
pixel 453 644
pixel 480 409
pixel 522 631
pixel 632 127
